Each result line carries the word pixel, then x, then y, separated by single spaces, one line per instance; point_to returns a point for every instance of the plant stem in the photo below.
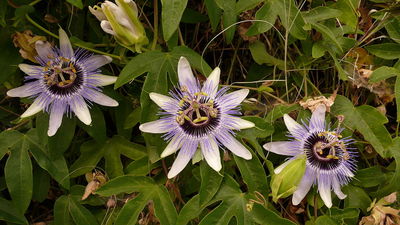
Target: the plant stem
pixel 155 31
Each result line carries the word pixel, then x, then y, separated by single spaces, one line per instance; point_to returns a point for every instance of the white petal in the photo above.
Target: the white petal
pixel 155 127
pixel 106 26
pixel 233 99
pixel 211 85
pixel 239 123
pixel 294 128
pixel 172 147
pixel 81 110
pixel 98 13
pixel 317 120
pixel 279 169
pixel 303 188
pixel 281 148
pixel 96 61
pixel 101 98
pixel 56 116
pixel 30 69
pixel 164 102
pixel 65 44
pixel 133 6
pixel 185 154
pixel 234 146
pixel 104 80
pixel 25 90
pixel 324 188
pixel 44 50
pixel 33 109
pixel 337 190
pixel 210 151
pixel 185 75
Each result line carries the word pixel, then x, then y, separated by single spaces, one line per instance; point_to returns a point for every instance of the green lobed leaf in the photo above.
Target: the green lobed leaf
pixel 229 17
pixel 41 184
pixel 10 213
pixel 368 121
pixel 385 50
pixel 131 209
pixel 325 220
pixel 61 211
pixel 55 165
pixel 327 34
pixel 279 110
pixel 261 56
pixel 393 29
pixel 189 211
pixel 268 14
pixel 171 14
pixel 253 174
pixel 133 118
pixel 163 205
pixel 91 154
pixel 264 216
pixel 233 205
pixel 291 18
pixel 356 198
pixel 164 208
pixel 79 214
pixel 345 216
pixel 126 184
pixel 369 177
pixel 18 173
pixel 349 14
pixel 383 73
pixel 61 141
pixel 394 182
pixel 318 50
pixel 214 13
pixel 97 128
pixel 140 167
pixel 397 96
pixel 244 5
pixel 77 3
pixel 320 13
pixel 210 182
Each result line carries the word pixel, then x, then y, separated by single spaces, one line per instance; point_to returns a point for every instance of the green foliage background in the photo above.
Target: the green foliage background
pixel 282 50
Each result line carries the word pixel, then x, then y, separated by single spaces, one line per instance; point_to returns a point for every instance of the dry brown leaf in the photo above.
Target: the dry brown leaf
pixel 313 103
pixel 26 42
pixel 381 214
pixel 95 180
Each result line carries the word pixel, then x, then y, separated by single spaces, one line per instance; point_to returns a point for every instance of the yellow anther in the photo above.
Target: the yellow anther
pixel 213 112
pixel 187 118
pixel 332 157
pixel 180 120
pixel 180 112
pixel 181 102
pixel 201 119
pixel 184 89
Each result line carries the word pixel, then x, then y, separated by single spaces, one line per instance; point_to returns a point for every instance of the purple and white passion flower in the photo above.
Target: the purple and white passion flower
pixel 65 81
pixel 199 116
pixel 329 161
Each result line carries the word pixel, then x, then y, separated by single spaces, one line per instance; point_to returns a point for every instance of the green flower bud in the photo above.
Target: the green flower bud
pixel 121 20
pixel 285 182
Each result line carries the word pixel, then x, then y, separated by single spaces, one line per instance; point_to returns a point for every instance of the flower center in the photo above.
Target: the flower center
pixel 198 113
pixel 62 76
pixel 325 150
